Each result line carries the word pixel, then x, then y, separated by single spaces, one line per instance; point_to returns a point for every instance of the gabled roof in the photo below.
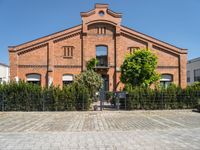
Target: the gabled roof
pixel 2 64
pixel 46 38
pixel 193 60
pixel 116 17
pixel 143 36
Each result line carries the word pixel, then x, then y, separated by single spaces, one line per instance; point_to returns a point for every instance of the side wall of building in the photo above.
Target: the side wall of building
pixel 191 66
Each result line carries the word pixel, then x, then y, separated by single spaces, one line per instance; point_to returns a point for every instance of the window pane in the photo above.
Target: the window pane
pixel 34 79
pixel 101 55
pixel 101 51
pixel 166 80
pixel 166 77
pixel 197 75
pixel 188 76
pixel 67 79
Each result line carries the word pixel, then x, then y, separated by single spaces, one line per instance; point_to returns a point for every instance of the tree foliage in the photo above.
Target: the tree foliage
pixel 91 80
pixel 91 64
pixel 139 67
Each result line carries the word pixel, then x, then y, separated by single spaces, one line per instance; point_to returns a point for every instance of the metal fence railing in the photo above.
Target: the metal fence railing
pixel 155 100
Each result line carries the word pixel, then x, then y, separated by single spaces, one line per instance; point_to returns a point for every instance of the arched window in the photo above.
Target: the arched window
pixel 166 80
pixel 67 79
pixel 102 55
pixel 34 78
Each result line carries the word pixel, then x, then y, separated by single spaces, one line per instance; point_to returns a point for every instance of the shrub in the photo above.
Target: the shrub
pixel 165 98
pixel 91 80
pixel 29 97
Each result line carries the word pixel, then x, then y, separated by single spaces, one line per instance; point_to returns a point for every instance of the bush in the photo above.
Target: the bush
pixel 165 98
pixel 29 97
pixel 91 80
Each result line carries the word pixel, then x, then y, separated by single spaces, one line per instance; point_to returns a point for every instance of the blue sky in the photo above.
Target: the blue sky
pixel 174 21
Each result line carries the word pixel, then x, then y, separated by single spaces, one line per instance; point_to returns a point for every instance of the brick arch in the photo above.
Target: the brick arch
pixel 169 75
pixel 110 28
pixel 34 74
pixel 102 21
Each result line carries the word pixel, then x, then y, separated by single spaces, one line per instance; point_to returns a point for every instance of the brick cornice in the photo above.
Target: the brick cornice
pixel 32 48
pixel 167 67
pixel 32 66
pixel 45 38
pixel 67 66
pixel 153 40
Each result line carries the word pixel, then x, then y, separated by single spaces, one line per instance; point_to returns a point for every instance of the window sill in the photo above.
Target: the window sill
pixel 67 57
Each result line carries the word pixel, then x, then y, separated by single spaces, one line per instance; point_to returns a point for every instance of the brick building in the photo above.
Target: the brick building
pixel 56 58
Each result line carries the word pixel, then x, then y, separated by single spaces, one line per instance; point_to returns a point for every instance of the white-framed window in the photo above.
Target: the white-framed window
pixel 197 75
pixel 33 78
pixel 166 80
pixel 67 79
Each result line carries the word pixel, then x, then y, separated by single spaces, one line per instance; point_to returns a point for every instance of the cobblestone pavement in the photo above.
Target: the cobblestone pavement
pixel 110 130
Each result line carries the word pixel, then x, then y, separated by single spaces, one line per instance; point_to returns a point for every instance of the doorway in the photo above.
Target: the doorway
pixel 105 82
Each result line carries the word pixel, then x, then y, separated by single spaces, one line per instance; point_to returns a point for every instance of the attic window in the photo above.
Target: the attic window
pixel 68 51
pixel 132 49
pixel 101 30
pixel 101 13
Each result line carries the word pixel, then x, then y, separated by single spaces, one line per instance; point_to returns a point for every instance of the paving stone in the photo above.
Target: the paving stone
pixel 169 129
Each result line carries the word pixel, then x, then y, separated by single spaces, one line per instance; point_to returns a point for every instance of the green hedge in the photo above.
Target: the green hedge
pixel 29 97
pixel 165 98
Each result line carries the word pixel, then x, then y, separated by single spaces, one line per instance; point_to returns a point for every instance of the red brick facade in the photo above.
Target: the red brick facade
pixel 100 26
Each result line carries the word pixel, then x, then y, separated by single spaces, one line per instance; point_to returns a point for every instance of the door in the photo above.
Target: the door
pixel 105 82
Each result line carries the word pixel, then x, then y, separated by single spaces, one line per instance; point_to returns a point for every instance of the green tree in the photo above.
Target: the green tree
pixel 139 67
pixel 91 64
pixel 89 79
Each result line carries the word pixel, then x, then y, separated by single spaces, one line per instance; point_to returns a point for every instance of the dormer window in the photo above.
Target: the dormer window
pixel 68 51
pixel 132 49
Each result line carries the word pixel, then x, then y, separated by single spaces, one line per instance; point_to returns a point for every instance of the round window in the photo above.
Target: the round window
pixel 101 13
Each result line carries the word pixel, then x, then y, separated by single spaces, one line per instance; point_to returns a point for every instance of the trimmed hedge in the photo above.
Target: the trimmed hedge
pixel 29 97
pixel 165 98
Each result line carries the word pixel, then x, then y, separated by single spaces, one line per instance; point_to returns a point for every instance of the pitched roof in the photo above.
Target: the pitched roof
pixel 1 64
pixel 193 60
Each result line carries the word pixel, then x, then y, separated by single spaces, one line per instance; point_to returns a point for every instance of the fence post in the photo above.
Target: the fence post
pixel 43 102
pixel 3 102
pixel 162 100
pixel 82 102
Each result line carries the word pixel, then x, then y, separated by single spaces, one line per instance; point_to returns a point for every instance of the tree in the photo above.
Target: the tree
pixel 91 64
pixel 139 67
pixel 89 79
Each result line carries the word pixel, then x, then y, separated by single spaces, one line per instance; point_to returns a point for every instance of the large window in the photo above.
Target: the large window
pixel 166 80
pixel 197 75
pixel 102 55
pixel 33 78
pixel 67 79
pixel 188 76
